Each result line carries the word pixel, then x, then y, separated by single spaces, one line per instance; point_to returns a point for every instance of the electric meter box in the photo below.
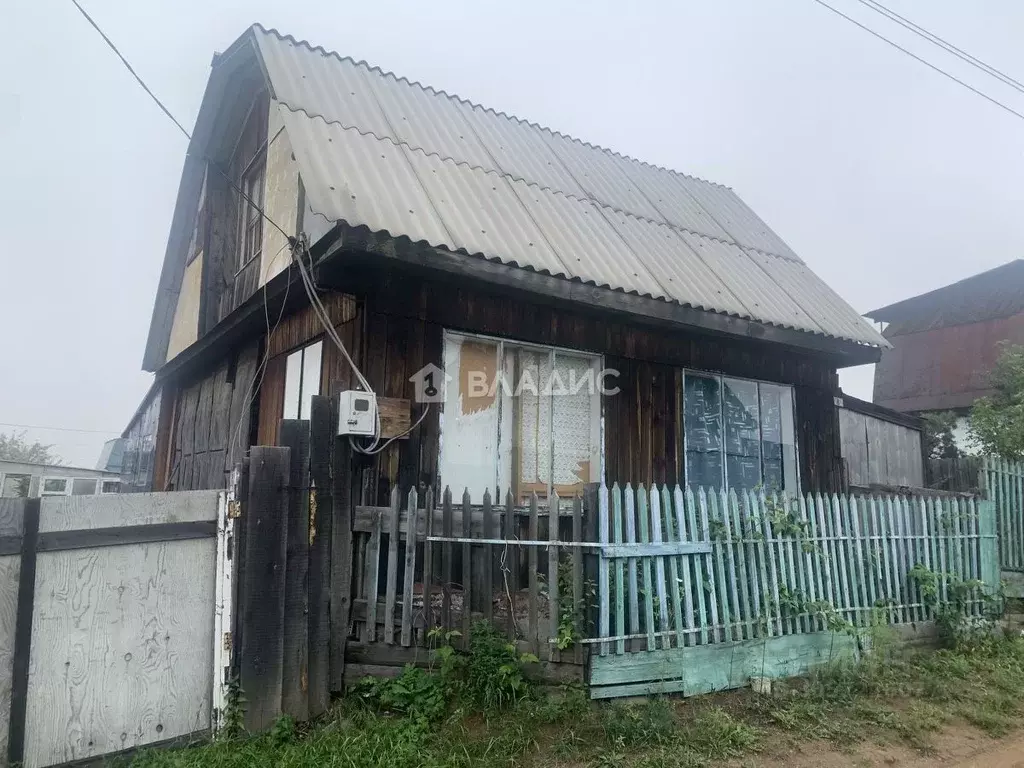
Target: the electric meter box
pixel 357 413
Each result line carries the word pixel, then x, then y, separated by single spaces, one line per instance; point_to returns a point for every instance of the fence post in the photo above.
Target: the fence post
pixel 23 632
pixel 321 444
pixel 341 558
pixel 263 592
pixel 294 434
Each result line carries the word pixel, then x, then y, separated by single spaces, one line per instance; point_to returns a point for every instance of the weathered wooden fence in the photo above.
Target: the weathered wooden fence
pixel 424 564
pixel 107 623
pixel 705 591
pixel 1003 482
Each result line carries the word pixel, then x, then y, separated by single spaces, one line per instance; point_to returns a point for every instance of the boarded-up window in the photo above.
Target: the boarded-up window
pixel 738 434
pixel 519 417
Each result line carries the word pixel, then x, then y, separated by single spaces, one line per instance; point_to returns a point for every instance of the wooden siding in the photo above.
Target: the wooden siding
pixel 207 436
pixel 399 329
pixel 878 452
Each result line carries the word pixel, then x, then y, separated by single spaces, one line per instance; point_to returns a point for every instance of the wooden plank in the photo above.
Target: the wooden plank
pixel 684 565
pixel 619 569
pixel 294 692
pixel 467 571
pixel 860 575
pixel 486 580
pixel 719 546
pixel 411 511
pixel 395 417
pixel 840 570
pixel 554 612
pixel 510 567
pixel 867 554
pixel 657 539
pixel 372 579
pixel 428 565
pixel 643 518
pixel 772 565
pixel 700 567
pixel 125 688
pixel 577 575
pixel 736 614
pixel 77 513
pixel 811 557
pixel 534 598
pixel 10 572
pixel 604 607
pixel 447 560
pixel 897 586
pixel 342 495
pixel 745 614
pixel 21 609
pixel 263 609
pixel 391 588
pixel 321 518
pixel 671 535
pixel 703 669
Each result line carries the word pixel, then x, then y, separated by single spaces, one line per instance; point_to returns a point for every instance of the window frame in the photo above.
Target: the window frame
pixel 596 361
pixel 248 217
pixel 725 468
pixel 42 486
pixel 301 351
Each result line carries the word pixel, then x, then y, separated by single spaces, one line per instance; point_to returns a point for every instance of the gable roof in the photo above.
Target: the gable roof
pixel 397 157
pixel 989 295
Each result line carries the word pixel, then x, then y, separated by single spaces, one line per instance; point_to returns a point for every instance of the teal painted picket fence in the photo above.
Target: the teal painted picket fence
pixel 1003 482
pixel 701 591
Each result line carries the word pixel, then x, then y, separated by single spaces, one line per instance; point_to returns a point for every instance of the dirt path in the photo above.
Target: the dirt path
pixel 956 746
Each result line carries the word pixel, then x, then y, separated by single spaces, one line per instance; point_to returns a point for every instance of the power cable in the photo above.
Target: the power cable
pixel 61 429
pixel 960 53
pixel 927 63
pixel 298 244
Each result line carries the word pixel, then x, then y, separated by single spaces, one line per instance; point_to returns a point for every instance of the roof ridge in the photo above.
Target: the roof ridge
pixel 498 113
pixel 505 175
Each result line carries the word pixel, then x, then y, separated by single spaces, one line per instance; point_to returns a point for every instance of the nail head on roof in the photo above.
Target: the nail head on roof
pixel 332 189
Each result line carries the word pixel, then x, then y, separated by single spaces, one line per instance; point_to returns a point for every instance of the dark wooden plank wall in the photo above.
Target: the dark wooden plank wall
pixel 402 320
pixel 210 428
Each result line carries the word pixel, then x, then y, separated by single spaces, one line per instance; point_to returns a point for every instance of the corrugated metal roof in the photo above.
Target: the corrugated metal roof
pixel 395 156
pixel 992 294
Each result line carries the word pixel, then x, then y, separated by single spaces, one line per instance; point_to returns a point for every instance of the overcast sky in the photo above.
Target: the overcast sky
pixel 886 178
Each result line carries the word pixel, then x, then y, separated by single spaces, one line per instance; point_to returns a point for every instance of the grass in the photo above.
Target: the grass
pixel 887 698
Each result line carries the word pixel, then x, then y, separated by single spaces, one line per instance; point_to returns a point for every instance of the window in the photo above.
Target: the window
pixel 54 486
pixel 301 380
pixel 111 486
pixel 248 169
pixel 520 417
pixel 83 486
pixel 15 486
pixel 738 434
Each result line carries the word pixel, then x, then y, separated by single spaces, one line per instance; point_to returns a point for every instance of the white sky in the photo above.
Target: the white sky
pixel 886 178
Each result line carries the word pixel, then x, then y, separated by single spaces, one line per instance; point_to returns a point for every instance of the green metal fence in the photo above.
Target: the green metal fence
pixel 704 591
pixel 1003 482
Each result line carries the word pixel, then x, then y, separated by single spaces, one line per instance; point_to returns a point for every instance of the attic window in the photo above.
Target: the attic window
pixel 248 170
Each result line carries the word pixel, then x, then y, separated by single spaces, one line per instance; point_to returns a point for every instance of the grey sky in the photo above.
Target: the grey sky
pixel 886 178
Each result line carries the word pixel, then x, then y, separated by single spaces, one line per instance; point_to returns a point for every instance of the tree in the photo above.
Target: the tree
pixel 997 421
pixel 14 447
pixel 938 435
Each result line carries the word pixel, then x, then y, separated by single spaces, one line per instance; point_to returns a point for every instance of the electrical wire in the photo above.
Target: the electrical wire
pixel 927 63
pixel 960 53
pixel 299 249
pixel 61 429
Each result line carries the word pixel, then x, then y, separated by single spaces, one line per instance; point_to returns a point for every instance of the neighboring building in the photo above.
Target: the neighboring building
pixel 25 480
pixel 881 447
pixel 446 234
pixel 111 455
pixel 945 342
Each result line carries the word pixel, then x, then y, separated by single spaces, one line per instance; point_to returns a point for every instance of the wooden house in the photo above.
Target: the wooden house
pixel 945 342
pixel 442 233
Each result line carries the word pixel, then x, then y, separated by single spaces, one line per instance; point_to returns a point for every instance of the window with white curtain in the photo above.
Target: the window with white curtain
pixel 519 416
pixel 738 434
pixel 301 380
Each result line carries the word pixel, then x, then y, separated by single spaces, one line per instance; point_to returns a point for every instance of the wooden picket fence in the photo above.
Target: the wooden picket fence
pixel 721 587
pixel 455 562
pixel 1003 482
